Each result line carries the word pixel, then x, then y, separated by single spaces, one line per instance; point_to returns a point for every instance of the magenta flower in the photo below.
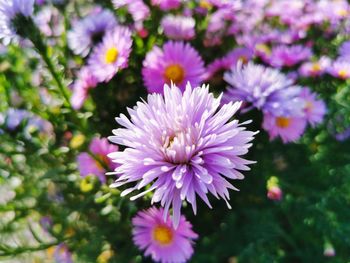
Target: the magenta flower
pixel 166 5
pixel 288 128
pixel 178 27
pixel 137 9
pixel 154 233
pixel 314 109
pixel 111 55
pixel 181 145
pixel 275 193
pixel 86 81
pixel 177 62
pixel 289 55
pixel 98 163
pixel 89 31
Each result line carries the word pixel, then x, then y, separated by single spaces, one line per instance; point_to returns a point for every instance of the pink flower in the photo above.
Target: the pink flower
pixel 275 193
pixel 96 162
pixel 155 234
pixel 167 4
pixel 314 109
pixel 288 128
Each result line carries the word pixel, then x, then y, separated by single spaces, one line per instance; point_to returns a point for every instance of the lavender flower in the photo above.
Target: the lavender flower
pixel 317 68
pixel 289 55
pixel 344 50
pixel 340 69
pixel 11 11
pixel 314 109
pixel 160 239
pixel 137 8
pixel 181 145
pixel 178 27
pixel 90 31
pixel 112 54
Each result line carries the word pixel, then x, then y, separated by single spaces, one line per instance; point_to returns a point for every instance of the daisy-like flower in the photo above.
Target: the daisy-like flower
pixel 181 145
pixel 13 15
pixel 89 31
pixel 160 239
pixel 177 62
pixel 178 27
pixel 289 55
pixel 50 21
pixel 86 81
pixel 112 54
pixel 96 162
pixel 137 8
pixel 314 69
pixel 288 128
pixel 344 50
pixel 260 86
pixel 340 69
pixel 166 5
pixel 314 108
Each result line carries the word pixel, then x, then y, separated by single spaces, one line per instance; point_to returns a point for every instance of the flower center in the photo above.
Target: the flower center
pixel 163 235
pixel 343 73
pixel 282 122
pixel 244 59
pixel 174 73
pixel 111 55
pixel 316 67
pixel 204 4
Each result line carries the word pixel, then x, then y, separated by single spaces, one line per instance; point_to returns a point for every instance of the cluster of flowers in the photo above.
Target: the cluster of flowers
pixel 182 141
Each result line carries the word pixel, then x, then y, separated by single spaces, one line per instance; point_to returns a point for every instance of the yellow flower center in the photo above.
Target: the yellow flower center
pixel 263 48
pixel 244 59
pixel 204 4
pixel 316 67
pixel 111 55
pixel 342 12
pixel 163 235
pixel 282 122
pixel 343 73
pixel 174 73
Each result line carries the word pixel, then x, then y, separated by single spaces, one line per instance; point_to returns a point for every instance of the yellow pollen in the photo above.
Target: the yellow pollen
pixel 204 4
pixel 163 235
pixel 174 73
pixel 282 122
pixel 263 48
pixel 111 55
pixel 343 73
pixel 244 59
pixel 316 67
pixel 342 12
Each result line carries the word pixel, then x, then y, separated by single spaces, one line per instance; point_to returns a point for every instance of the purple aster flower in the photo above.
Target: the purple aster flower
pixel 218 66
pixel 50 21
pixel 86 81
pixel 344 50
pixel 263 88
pixel 340 69
pixel 98 163
pixel 112 54
pixel 289 55
pixel 288 128
pixel 178 27
pixel 9 11
pixel 177 62
pixel 314 109
pixel 89 31
pixel 314 69
pixel 62 254
pixel 181 145
pixel 166 5
pixel 154 233
pixel 137 8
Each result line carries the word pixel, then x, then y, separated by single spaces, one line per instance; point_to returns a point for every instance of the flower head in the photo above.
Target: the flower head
pixel 10 11
pixel 137 8
pixel 183 145
pixel 89 31
pixel 96 162
pixel 288 128
pixel 178 27
pixel 344 50
pixel 112 54
pixel 317 68
pixel 177 62
pixel 264 88
pixel 160 239
pixel 86 81
pixel 340 69
pixel 314 109
pixel 289 56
